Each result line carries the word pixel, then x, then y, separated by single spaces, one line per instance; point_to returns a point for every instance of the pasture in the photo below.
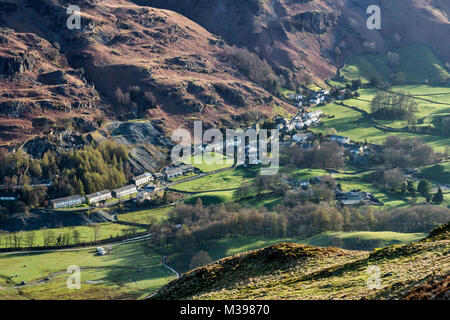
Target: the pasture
pixel 128 271
pixel 87 234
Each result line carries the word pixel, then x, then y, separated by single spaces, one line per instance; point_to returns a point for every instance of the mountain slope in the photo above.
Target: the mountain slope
pixel 38 86
pixel 314 37
pixel 131 61
pixel 292 271
pixel 144 62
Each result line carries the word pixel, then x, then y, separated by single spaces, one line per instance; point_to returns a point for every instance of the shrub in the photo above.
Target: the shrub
pixel 254 68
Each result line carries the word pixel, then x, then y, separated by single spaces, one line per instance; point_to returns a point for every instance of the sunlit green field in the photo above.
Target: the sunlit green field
pixel 438 172
pixel 145 216
pixel 221 181
pixel 360 127
pixel 90 233
pixel 417 62
pixel 205 164
pixel 127 272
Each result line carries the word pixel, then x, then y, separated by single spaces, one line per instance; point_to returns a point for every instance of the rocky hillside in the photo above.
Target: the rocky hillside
pixel 313 37
pixel 136 59
pixel 38 86
pixel 126 62
pixel 291 271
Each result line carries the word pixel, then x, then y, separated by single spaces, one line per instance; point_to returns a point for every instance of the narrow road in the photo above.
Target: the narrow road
pixel 168 267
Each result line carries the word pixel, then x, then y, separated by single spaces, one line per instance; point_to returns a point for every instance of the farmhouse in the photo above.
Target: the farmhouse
pixel 294 183
pixel 124 191
pixel 142 179
pixel 98 196
pixel 355 198
pixel 67 201
pixel 144 195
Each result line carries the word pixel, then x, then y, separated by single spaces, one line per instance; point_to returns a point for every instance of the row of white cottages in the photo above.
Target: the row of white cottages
pixel 103 195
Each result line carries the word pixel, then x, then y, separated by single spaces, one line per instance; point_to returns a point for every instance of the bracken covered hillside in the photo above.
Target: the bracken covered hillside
pixel 38 84
pixel 135 59
pixel 314 37
pixel 127 61
pixel 291 271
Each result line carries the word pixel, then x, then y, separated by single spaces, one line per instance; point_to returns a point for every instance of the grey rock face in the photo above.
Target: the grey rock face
pixel 10 66
pixel 131 133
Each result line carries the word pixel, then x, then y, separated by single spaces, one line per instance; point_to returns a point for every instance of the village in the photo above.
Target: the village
pixel 294 130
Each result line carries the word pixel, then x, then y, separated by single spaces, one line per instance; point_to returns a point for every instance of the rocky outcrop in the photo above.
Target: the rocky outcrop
pixel 12 65
pixel 85 125
pixel 230 95
pixel 53 78
pixel 313 22
pixel 194 64
pixel 12 108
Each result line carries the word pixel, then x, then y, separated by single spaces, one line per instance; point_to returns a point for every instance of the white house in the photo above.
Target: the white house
pixel 124 191
pixel 67 201
pixel 142 179
pixel 99 196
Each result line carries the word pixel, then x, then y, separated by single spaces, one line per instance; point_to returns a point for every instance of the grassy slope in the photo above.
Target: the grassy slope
pixel 144 216
pixel 209 198
pixel 231 246
pixel 420 66
pixel 290 271
pixel 117 272
pixel 361 238
pixel 439 172
pixel 417 62
pixel 220 181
